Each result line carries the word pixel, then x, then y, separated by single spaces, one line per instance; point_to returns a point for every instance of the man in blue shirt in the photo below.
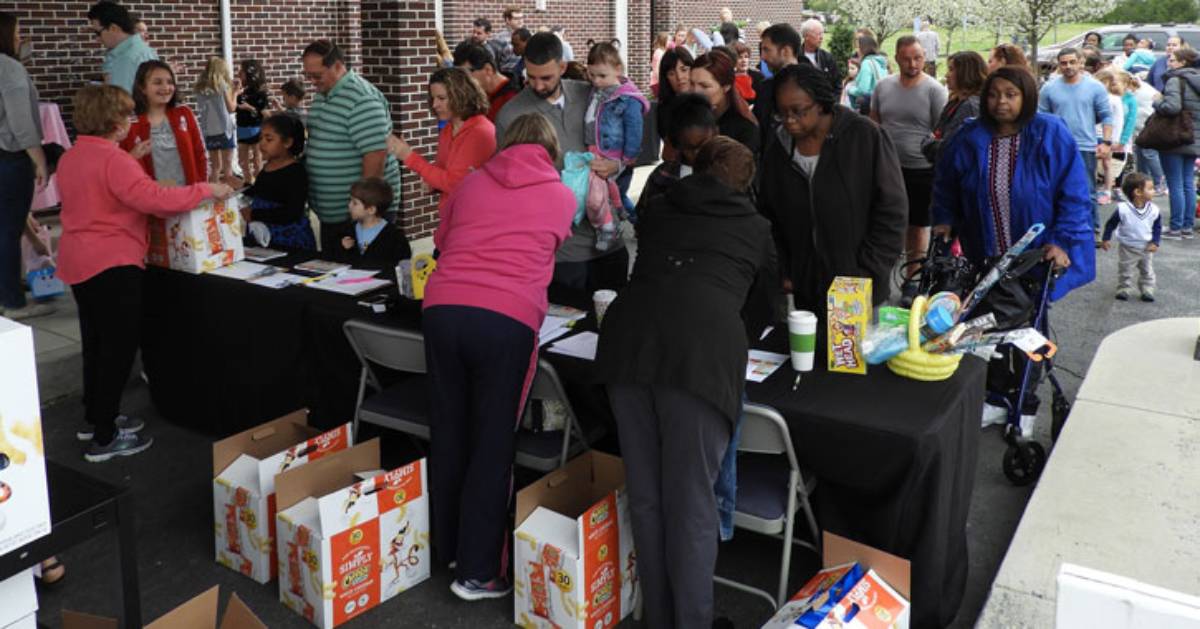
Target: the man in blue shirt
pixel 1082 103
pixel 126 50
pixel 1155 77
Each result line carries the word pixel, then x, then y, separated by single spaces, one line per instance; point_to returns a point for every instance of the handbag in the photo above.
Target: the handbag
pixel 1163 132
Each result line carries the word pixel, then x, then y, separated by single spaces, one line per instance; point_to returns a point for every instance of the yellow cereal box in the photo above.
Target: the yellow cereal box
pixel 849 303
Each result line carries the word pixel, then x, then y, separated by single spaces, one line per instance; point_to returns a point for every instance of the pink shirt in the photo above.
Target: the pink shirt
pixel 458 154
pixel 106 197
pixel 498 234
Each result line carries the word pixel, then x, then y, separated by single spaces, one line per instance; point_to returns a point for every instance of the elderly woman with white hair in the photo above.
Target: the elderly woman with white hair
pixel 812 33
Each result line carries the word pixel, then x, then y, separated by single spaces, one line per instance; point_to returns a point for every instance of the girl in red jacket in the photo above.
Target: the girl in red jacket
pixel 165 137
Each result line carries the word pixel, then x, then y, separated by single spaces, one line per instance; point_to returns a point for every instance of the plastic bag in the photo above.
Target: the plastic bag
pixel 576 175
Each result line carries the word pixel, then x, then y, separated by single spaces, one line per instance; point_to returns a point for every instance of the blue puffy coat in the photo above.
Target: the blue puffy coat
pixel 1049 186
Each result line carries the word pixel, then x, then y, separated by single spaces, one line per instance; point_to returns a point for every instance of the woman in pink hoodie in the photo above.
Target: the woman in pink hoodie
pixel 483 308
pixel 106 198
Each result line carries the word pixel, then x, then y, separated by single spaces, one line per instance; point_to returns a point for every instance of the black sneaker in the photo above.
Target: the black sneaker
pixel 1148 297
pixel 472 590
pixel 125 424
pixel 125 444
pixel 1122 295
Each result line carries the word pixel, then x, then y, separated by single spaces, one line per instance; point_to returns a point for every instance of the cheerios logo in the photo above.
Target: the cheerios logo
pixel 602 554
pixel 399 497
pixel 356 536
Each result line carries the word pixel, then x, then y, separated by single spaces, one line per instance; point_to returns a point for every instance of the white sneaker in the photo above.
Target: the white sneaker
pixel 994 415
pixel 1027 423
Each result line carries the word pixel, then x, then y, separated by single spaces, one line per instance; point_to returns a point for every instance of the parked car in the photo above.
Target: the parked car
pixel 1112 36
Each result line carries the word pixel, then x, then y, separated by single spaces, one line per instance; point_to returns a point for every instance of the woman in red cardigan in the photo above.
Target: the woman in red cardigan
pixel 466 142
pixel 165 138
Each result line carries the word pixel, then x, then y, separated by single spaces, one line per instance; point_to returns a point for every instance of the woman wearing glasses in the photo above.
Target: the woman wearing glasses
pixel 831 186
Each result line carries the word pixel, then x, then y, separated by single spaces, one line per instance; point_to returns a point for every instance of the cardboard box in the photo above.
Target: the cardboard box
pixel 18 600
pixel 1089 598
pixel 24 498
pixel 574 563
pixel 859 588
pixel 209 237
pixel 28 622
pixel 346 544
pixel 244 470
pixel 198 613
pixel 849 313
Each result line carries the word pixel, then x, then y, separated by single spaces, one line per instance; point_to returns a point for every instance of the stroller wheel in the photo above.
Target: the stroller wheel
pixel 1023 462
pixel 1059 412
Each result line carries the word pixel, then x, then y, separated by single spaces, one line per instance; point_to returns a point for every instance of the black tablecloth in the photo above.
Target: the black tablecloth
pixel 896 463
pixel 895 457
pixel 223 355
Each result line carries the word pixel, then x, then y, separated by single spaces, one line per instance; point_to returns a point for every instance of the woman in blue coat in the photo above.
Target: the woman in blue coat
pixel 1010 168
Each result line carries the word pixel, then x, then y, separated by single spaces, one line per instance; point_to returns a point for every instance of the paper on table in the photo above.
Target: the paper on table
pixel 582 345
pixel 278 280
pixel 760 365
pixel 552 328
pixel 565 312
pixel 262 254
pixel 241 270
pixel 350 282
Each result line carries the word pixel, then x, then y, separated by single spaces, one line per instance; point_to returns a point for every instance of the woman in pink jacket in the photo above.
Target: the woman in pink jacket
pixel 106 197
pixel 483 308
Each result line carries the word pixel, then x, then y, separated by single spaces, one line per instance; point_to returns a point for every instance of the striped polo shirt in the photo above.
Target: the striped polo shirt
pixel 353 119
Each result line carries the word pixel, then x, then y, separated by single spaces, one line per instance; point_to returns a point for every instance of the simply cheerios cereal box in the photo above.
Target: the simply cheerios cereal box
pixel 24 495
pixel 574 564
pixel 244 470
pixel 351 536
pixel 207 238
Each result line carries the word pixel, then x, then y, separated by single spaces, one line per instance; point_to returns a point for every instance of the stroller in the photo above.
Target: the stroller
pixel 1021 298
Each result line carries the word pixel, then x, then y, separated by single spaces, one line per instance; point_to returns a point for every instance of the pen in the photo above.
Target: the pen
pixel 316 279
pixel 356 280
pixel 796 383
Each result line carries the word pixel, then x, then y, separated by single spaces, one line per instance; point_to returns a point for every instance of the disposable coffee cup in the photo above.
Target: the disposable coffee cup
pixel 802 337
pixel 602 299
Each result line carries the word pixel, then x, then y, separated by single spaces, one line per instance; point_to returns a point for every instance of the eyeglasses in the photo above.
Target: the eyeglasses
pixel 98 33
pixel 794 114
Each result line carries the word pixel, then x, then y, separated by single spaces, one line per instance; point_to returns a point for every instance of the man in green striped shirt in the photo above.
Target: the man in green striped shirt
pixel 348 126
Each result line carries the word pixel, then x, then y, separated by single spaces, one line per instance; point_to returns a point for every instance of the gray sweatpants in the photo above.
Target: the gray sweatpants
pixel 672 443
pixel 1130 257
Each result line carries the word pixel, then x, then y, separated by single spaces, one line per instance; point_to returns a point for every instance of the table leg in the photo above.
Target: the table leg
pixel 127 549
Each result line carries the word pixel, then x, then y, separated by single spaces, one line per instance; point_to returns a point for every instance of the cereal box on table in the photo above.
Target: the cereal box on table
pixel 849 312
pixel 347 544
pixel 244 470
pixel 206 238
pixel 574 561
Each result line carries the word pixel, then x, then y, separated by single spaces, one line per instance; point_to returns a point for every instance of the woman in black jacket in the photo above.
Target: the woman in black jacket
pixel 831 186
pixel 673 354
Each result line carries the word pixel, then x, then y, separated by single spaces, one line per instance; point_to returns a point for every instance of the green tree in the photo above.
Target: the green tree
pixel 1151 11
pixel 841 43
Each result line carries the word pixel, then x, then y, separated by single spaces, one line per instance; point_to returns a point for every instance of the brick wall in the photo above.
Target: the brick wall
pixel 399 54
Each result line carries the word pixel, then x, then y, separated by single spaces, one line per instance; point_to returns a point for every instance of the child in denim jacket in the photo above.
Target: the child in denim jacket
pixel 612 130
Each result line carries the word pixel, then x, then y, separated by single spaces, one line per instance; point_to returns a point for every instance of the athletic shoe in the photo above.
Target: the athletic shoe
pixel 993 415
pixel 1172 234
pixel 125 444
pixel 1187 234
pixel 1148 297
pixel 1122 295
pixel 124 423
pixel 472 590
pixel 29 311
pixel 1103 198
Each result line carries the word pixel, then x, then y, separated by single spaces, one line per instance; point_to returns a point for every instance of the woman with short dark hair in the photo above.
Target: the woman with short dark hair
pixel 831 185
pixel 965 75
pixel 673 73
pixel 466 142
pixel 1010 168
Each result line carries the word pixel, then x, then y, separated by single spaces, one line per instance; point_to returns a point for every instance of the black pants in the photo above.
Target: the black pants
pixel 331 237
pixel 479 363
pixel 110 320
pixel 918 183
pixel 16 194
pixel 672 443
pixel 609 271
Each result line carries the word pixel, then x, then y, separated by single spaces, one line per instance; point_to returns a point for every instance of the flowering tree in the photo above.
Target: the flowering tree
pixel 884 17
pixel 1033 19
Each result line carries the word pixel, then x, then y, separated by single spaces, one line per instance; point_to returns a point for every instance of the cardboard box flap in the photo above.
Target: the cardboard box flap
pixel 263 440
pixel 325 475
pixel 301 452
pixel 198 613
pixel 238 616
pixel 895 571
pixel 78 620
pixel 574 488
pixel 366 500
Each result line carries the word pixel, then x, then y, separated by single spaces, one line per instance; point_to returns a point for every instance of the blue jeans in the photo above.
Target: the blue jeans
pixel 726 485
pixel 16 194
pixel 1180 169
pixel 1149 164
pixel 1089 166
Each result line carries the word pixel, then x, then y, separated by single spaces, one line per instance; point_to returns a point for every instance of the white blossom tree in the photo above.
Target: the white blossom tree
pixel 950 15
pixel 884 17
pixel 1033 19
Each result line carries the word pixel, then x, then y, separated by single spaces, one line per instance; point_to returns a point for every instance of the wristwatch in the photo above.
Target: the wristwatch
pixel 1106 142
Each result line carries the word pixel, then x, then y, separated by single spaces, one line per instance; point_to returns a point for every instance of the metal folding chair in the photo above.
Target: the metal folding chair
pixel 771 487
pixel 549 450
pixel 403 406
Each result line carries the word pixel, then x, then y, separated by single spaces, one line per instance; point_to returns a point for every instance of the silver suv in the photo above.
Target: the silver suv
pixel 1112 36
